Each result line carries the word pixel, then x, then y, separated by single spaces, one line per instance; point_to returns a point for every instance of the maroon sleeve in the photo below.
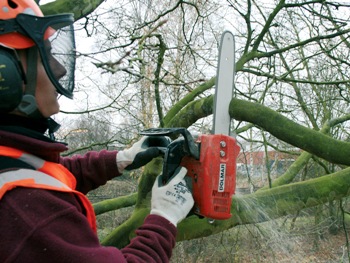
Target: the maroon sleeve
pixel 92 169
pixel 156 236
pixel 46 226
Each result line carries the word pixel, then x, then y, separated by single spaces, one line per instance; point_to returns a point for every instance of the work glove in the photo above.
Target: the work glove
pixel 173 200
pixel 142 152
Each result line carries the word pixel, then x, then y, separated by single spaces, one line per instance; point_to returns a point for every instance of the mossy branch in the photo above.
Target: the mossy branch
pixel 188 99
pixel 319 144
pixel 271 204
pixel 80 8
pixel 114 203
pixel 192 112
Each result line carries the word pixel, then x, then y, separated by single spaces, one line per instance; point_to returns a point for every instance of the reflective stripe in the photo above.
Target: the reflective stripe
pixel 34 161
pixel 27 174
pixel 53 169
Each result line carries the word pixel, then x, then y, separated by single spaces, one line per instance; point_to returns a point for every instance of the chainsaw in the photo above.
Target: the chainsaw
pixel 210 160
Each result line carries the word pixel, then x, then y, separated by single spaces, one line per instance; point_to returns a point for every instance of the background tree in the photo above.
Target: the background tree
pixel 155 64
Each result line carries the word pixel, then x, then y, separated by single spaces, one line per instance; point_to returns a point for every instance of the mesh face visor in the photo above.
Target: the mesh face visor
pixel 54 37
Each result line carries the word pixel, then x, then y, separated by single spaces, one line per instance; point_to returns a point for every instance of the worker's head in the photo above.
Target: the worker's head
pixel 37 59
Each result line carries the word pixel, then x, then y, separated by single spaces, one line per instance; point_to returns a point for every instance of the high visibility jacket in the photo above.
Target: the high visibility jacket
pixel 48 176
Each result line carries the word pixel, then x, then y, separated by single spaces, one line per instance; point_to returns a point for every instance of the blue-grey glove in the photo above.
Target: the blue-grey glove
pixel 174 200
pixel 142 152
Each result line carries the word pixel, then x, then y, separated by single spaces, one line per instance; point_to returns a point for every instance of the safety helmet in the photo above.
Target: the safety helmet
pixel 23 26
pixel 10 9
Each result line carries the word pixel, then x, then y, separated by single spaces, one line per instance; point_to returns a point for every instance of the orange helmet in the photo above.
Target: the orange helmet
pixel 10 9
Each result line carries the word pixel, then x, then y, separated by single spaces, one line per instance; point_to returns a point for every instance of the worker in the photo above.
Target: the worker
pixel 45 215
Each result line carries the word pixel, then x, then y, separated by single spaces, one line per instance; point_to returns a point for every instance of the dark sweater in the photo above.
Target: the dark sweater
pixel 46 226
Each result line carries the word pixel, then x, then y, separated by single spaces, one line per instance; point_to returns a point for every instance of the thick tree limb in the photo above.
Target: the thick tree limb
pixel 114 204
pixel 192 112
pixel 314 142
pixel 80 8
pixel 271 204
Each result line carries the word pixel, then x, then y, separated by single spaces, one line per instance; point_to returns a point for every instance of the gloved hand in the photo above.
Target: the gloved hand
pixel 141 152
pixel 172 201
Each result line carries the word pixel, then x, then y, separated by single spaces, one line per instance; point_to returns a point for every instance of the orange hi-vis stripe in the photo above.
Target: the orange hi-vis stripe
pixel 48 176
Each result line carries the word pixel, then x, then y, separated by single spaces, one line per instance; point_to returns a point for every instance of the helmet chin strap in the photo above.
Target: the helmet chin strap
pixel 28 105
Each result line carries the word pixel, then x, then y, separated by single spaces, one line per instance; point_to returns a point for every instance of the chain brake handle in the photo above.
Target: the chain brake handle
pixel 176 150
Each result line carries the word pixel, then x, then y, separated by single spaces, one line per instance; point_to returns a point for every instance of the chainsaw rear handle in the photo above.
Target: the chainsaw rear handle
pixel 159 142
pixel 176 150
pixel 190 146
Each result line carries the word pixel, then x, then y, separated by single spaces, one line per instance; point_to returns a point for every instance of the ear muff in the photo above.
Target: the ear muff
pixel 12 78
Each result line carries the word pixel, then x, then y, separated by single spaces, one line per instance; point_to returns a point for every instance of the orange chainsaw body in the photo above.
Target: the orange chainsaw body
pixel 213 175
pixel 211 168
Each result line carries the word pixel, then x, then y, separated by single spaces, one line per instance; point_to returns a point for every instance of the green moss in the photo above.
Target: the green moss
pixel 312 141
pixel 80 8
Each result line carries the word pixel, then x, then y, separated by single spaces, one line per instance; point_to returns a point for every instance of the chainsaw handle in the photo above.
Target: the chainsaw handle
pixel 190 146
pixel 176 150
pixel 172 159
